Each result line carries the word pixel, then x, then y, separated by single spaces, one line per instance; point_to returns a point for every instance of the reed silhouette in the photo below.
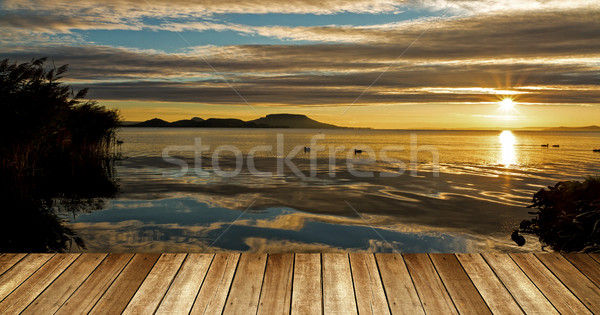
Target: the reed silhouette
pixel 55 157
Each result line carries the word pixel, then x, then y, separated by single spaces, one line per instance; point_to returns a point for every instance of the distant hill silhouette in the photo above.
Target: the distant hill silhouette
pixel 269 121
pixel 586 128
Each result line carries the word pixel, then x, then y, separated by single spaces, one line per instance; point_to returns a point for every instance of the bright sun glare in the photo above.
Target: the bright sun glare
pixel 507 104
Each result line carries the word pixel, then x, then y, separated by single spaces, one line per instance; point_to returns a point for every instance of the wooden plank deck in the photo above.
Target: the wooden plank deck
pixel 300 283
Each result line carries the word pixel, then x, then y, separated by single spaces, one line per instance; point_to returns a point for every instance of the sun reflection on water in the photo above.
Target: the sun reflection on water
pixel 509 154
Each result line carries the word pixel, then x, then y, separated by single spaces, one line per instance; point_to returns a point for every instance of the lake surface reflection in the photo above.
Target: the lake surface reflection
pixel 485 181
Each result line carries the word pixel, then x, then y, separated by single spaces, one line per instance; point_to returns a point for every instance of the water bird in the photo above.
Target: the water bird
pixel 357 151
pixel 519 239
pixel 596 150
pixel 544 145
pixel 306 149
pixel 555 145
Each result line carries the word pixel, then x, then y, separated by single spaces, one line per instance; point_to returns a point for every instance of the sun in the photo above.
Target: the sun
pixel 507 104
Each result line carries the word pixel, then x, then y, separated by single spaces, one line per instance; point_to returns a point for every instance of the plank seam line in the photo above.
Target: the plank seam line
pixel 322 285
pixel 292 285
pixel 352 282
pixel 385 293
pixel 212 259
pixel 111 283
pixel 580 270
pixel 30 275
pixel 262 283
pixel 563 283
pixel 502 282
pixel 594 257
pixel 82 282
pixel 171 283
pixel 141 282
pixel 536 286
pixel 443 284
pixel 53 280
pixel 413 283
pixel 237 265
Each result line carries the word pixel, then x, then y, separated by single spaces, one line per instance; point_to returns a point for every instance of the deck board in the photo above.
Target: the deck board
pixel 247 283
pixel 182 293
pixel 562 299
pixel 299 283
pixel 87 295
pixel 118 295
pixel 22 296
pixel 307 291
pixel 431 289
pixel 572 278
pixel 496 296
pixel 61 289
pixel 276 294
pixel 465 296
pixel 338 289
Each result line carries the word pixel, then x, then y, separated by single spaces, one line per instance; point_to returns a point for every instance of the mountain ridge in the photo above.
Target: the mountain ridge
pixel 269 121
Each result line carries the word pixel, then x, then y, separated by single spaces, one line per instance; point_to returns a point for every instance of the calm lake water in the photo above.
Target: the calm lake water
pixel 381 202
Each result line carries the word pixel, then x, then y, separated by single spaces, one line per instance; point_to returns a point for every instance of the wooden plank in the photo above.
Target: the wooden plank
pixel 182 293
pixel 562 299
pixel 276 294
pixel 247 282
pixel 368 289
pixel 61 289
pixel 431 290
pixel 155 286
pixel 307 292
pixel 9 260
pixel 580 285
pixel 118 295
pixel 400 291
pixel 13 277
pixel 465 296
pixel 587 265
pixel 489 286
pixel 34 285
pixel 87 295
pixel 518 284
pixel 338 289
pixel 213 293
pixel 596 256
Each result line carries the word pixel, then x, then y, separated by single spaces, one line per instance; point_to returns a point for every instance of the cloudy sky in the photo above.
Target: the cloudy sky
pixel 379 63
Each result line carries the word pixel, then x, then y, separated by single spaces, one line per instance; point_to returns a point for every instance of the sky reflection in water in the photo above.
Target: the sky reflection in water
pixel 486 180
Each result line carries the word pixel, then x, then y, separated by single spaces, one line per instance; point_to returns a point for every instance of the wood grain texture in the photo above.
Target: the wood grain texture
pixel 85 297
pixel 338 289
pixel 118 295
pixel 276 294
pixel 368 289
pixel 587 265
pixel 247 283
pixel 61 289
pixel 18 300
pixel 572 278
pixel 155 286
pixel 182 293
pixel 213 293
pixel 465 296
pixel 400 291
pixel 7 261
pixel 307 294
pixel 495 295
pixel 562 299
pixel 13 277
pixel 431 290
pixel 531 300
